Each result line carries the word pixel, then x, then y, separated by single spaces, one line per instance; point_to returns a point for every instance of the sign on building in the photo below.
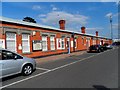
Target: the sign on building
pixel 2 43
pixel 71 43
pixel 37 45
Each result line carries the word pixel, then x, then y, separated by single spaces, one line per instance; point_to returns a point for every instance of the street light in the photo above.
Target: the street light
pixel 111 26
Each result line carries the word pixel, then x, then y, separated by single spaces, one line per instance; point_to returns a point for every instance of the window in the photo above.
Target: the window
pixel 44 43
pixel 11 41
pixel 94 41
pixel 88 42
pixel 83 41
pixel 25 43
pixel 63 43
pixel 6 55
pixel 58 43
pixel 52 42
pixel 75 43
pixel 19 57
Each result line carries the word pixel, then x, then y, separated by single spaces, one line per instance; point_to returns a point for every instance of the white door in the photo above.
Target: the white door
pixel 25 43
pixel 68 44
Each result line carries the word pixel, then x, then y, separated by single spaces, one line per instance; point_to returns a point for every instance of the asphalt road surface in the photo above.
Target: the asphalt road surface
pixel 90 70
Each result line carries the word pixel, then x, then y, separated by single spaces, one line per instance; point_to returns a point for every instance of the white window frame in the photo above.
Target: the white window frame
pixel 75 42
pixel 46 41
pixel 52 42
pixel 59 41
pixel 28 40
pixel 88 42
pixel 94 42
pixel 9 39
pixel 63 44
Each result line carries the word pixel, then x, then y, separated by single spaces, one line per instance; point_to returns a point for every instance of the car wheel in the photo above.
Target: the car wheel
pixel 102 50
pixel 27 70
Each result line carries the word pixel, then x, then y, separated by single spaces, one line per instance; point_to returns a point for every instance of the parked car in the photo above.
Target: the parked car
pixel 96 48
pixel 116 43
pixel 12 63
pixel 107 46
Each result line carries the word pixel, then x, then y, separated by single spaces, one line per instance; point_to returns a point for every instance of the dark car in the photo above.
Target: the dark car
pixel 96 48
pixel 116 43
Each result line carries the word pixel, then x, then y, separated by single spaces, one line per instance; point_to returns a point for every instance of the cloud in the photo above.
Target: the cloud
pixel 42 15
pixel 94 29
pixel 36 7
pixel 53 7
pixel 71 19
pixel 113 15
pixel 108 14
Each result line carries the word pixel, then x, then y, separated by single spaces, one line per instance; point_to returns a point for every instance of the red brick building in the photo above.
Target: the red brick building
pixel 34 40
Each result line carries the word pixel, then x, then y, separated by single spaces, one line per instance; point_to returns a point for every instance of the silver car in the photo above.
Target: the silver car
pixel 12 63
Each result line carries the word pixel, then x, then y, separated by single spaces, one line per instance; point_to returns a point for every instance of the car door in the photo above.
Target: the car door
pixel 11 63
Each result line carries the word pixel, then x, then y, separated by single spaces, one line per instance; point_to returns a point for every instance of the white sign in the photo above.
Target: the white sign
pixel 37 45
pixel 2 43
pixel 20 47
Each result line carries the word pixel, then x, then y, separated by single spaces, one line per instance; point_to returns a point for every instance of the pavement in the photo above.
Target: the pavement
pixel 58 57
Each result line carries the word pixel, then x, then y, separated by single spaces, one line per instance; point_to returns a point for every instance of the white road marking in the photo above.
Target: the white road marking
pixel 43 69
pixel 51 70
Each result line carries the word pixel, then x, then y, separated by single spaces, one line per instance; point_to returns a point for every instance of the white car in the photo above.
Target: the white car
pixel 109 47
pixel 12 63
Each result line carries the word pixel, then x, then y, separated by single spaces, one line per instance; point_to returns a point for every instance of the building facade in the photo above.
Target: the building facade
pixel 33 40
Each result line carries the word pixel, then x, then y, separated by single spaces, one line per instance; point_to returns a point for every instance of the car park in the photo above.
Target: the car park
pixel 12 63
pixel 95 48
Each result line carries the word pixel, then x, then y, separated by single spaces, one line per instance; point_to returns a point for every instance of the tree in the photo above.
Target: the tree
pixel 29 19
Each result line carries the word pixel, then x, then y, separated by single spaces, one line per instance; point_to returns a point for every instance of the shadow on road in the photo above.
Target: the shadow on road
pixel 100 87
pixel 10 77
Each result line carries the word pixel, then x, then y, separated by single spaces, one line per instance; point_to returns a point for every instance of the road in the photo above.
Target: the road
pixel 90 70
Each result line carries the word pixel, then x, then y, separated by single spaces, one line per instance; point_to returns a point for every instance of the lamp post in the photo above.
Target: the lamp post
pixel 111 26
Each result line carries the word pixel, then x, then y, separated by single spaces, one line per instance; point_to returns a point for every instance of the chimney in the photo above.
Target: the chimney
pixel 96 33
pixel 83 30
pixel 62 24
